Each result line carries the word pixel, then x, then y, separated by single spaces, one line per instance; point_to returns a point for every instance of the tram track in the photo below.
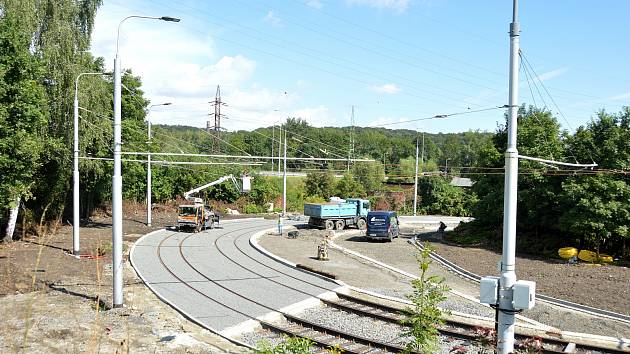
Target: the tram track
pixel 544 298
pixel 323 336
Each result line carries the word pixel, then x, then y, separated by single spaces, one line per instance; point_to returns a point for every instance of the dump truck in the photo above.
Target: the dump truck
pixel 338 214
pixel 198 216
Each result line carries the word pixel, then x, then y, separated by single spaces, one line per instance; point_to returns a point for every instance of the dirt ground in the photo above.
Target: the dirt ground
pixel 53 302
pixel 605 286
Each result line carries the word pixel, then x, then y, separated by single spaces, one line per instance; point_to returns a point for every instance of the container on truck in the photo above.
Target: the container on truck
pixel 338 215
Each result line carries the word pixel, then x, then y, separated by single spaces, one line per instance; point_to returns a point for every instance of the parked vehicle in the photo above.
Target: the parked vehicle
pixel 382 225
pixel 338 215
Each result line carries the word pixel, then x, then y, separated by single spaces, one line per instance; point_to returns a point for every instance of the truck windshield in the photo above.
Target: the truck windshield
pixel 187 211
pixel 366 205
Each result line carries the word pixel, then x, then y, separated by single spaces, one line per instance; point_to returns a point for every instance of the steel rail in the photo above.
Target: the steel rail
pixel 545 298
pixel 331 338
pixel 387 313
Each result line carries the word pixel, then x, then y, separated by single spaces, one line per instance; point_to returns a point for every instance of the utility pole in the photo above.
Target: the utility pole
pixel 273 142
pixel 279 147
pixel 351 148
pixel 217 119
pixel 149 176
pixel 505 333
pixel 415 188
pixel 284 178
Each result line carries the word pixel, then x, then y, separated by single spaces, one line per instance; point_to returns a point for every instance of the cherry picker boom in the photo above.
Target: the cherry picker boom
pixel 198 216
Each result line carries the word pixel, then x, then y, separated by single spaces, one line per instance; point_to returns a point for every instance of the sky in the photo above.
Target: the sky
pixel 392 60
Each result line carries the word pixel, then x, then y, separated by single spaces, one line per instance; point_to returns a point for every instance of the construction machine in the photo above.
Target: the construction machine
pixel 198 215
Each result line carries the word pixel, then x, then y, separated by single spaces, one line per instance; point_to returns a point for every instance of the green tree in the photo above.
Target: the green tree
pixel 320 184
pixel 349 187
pixel 425 316
pixel 598 209
pixel 263 190
pixel 438 196
pixel 369 174
pixel 23 116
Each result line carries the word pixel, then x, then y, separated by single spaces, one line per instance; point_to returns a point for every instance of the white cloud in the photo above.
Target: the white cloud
pixel 316 4
pixel 619 97
pixel 396 5
pixel 552 74
pixel 315 116
pixel 391 122
pixel 273 19
pixel 390 89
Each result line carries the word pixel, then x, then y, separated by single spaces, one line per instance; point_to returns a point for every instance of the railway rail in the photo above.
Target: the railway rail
pixel 544 298
pixel 321 335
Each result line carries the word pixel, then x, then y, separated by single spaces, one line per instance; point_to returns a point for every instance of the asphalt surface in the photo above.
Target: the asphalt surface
pixel 240 282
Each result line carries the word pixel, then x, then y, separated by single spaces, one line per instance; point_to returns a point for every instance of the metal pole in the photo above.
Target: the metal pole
pixel 279 148
pixel 415 188
pixel 273 143
pixel 117 265
pixel 505 339
pixel 284 179
pixel 76 217
pixel 149 173
pixel 76 220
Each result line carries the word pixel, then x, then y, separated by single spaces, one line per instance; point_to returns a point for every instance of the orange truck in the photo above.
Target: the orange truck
pixel 196 217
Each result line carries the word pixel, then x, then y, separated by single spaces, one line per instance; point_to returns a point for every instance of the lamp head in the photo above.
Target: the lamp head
pixel 169 19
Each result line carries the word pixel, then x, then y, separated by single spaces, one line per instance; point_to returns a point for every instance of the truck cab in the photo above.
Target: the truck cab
pixel 382 225
pixel 363 206
pixel 196 217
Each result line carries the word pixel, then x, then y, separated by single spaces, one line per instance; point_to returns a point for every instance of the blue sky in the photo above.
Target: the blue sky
pixel 394 60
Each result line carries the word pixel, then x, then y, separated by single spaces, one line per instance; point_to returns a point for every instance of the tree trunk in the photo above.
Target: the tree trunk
pixel 13 214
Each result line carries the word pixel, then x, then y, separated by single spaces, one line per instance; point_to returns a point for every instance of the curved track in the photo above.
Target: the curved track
pixel 548 299
pixel 231 295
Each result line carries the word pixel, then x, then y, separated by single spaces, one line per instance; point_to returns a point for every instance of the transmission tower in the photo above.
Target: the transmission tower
pixel 217 119
pixel 351 147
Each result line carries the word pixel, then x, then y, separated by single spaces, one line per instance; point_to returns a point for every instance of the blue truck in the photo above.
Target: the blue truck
pixel 338 215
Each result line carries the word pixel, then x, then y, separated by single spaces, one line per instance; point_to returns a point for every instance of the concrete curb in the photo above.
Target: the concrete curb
pixel 184 313
pixel 253 241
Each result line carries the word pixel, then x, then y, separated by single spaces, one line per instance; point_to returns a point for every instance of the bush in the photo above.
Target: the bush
pixel 254 209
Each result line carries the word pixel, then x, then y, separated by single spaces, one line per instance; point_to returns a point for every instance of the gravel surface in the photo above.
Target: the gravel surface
pixel 357 325
pixel 401 254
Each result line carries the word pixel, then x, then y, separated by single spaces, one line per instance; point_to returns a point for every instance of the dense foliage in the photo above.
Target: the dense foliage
pixel 559 207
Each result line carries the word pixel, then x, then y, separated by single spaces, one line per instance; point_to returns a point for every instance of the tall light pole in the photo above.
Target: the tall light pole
pixel 149 160
pixel 284 178
pixel 505 333
pixel 446 168
pixel 117 265
pixel 76 218
pixel 415 184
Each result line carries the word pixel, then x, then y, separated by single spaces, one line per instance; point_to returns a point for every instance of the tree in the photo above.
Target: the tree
pixel 425 316
pixel 438 196
pixel 349 187
pixel 320 184
pixel 598 209
pixel 369 174
pixel 23 117
pixel 263 190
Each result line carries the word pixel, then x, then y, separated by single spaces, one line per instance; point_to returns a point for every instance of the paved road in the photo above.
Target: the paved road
pixel 206 275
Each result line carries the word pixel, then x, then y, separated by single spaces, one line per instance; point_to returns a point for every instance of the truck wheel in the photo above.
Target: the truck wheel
pixel 198 228
pixel 329 224
pixel 361 224
pixel 212 225
pixel 339 224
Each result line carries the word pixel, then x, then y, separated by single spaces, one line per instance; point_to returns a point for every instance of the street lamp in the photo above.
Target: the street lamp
pixel 117 264
pixel 446 167
pixel 76 219
pixel 149 160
